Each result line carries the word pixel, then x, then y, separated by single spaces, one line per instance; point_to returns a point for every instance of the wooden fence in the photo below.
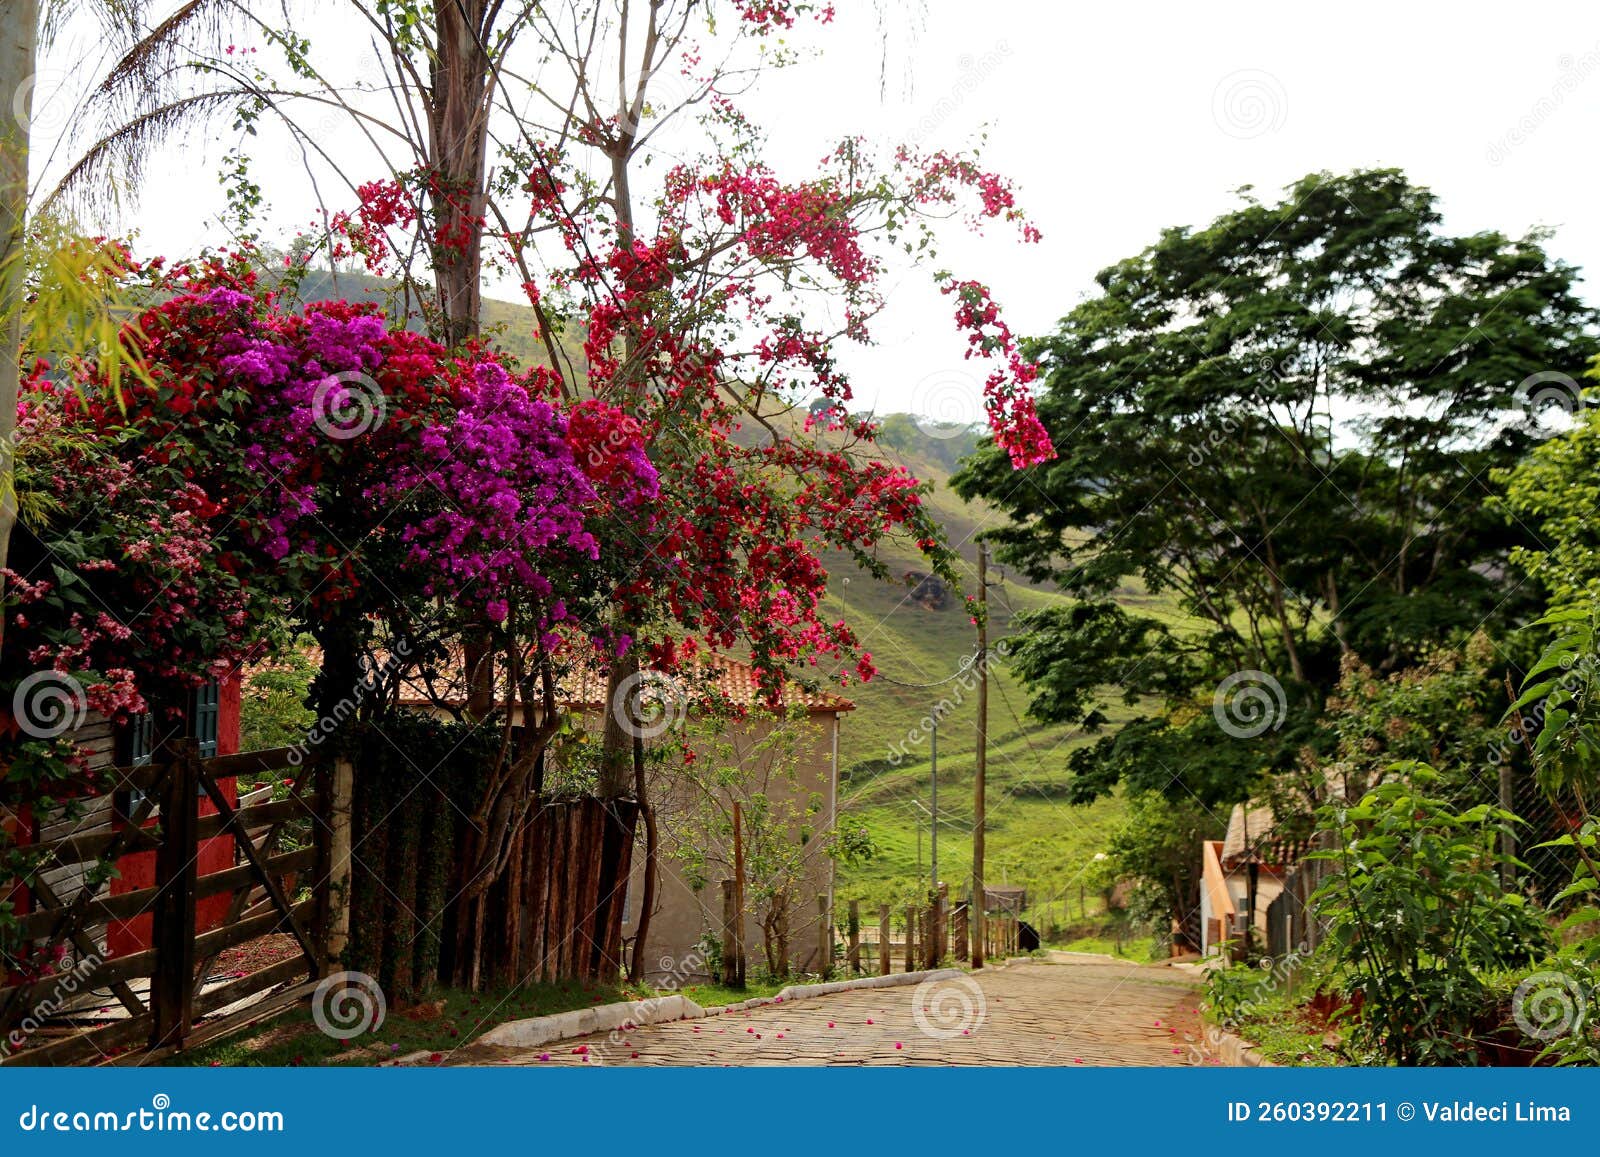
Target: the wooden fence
pixel 163 992
pixel 924 936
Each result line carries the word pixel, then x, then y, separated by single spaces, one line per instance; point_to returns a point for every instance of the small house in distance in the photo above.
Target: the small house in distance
pixel 1250 886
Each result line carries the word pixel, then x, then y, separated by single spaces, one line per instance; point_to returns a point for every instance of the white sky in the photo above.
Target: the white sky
pixel 1118 120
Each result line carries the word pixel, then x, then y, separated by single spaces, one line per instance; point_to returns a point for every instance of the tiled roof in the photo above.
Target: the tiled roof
pixel 733 680
pixel 1251 838
pixel 584 689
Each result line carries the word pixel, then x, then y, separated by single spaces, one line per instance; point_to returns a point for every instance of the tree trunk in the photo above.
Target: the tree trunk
pixel 616 778
pixel 647 901
pixel 19 29
pixel 458 128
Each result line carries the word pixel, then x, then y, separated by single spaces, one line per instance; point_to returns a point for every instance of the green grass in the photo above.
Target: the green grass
pixel 1283 1033
pixel 293 1039
pixel 1142 950
pixel 717 995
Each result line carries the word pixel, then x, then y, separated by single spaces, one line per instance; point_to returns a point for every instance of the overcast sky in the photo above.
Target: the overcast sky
pixel 1117 120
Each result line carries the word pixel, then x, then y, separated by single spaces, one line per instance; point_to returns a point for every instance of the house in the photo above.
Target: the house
pixel 212 718
pixel 1249 892
pixel 686 913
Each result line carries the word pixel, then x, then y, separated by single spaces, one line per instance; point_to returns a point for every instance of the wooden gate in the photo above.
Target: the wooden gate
pixel 163 990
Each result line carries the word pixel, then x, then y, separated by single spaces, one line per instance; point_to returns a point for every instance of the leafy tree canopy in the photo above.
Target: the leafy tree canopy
pixel 1284 426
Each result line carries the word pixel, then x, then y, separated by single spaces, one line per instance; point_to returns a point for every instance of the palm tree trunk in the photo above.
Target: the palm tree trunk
pixel 19 30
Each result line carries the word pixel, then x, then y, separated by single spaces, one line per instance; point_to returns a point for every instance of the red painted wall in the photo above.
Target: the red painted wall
pixel 138 870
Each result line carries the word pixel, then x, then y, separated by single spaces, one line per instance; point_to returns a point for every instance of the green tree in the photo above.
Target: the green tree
pixel 1554 491
pixel 1286 423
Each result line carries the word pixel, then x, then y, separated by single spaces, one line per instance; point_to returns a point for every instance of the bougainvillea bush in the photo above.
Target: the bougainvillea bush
pixel 273 470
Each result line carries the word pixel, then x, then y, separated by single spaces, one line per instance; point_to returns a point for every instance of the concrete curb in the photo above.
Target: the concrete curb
pixel 1236 1052
pixel 541 1030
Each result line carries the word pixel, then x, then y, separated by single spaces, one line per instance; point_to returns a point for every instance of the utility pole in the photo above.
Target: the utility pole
pixel 933 855
pixel 979 897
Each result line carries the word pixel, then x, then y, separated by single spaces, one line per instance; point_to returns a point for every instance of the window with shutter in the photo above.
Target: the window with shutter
pixel 203 718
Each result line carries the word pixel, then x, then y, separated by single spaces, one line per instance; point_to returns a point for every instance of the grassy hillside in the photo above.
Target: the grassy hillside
pixel 1034 837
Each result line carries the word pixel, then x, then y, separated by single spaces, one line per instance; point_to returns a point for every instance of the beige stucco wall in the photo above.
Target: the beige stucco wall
pixel 683 914
pixel 1269 886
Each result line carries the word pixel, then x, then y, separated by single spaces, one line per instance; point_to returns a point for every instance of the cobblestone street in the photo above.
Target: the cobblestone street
pixel 1067 1011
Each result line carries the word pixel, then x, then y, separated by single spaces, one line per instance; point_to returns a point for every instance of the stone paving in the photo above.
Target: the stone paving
pixel 1065 1011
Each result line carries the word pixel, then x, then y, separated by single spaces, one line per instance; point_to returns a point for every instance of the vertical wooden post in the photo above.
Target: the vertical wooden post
pixel 738 894
pixel 172 984
pixel 979 897
pixel 960 920
pixel 911 937
pixel 824 936
pixel 1508 839
pixel 730 943
pixel 780 903
pixel 341 794
pixel 941 924
pixel 885 966
pixel 854 958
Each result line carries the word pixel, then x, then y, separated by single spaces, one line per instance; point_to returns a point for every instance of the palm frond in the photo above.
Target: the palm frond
pixel 117 159
pixel 141 77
